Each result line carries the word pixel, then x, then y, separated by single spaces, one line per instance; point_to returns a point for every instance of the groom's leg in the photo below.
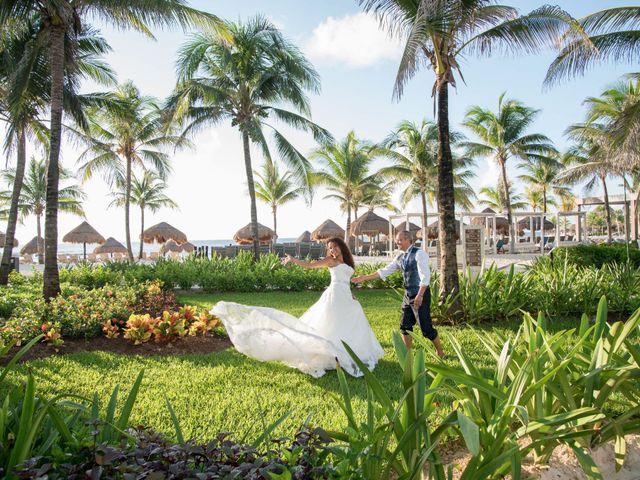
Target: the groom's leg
pixel 426 325
pixel 407 321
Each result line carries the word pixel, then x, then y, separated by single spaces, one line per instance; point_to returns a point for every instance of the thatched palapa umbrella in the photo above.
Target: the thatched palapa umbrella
pixel 432 230
pixel 83 233
pixel 171 246
pixel 525 223
pixel 111 246
pixel 502 224
pixel 402 227
pixel 3 239
pixel 328 229
pixel 162 232
pixel 244 236
pixel 305 237
pixel 31 248
pixel 369 224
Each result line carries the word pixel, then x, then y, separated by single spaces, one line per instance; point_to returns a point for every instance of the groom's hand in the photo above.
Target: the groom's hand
pixel 417 301
pixel 359 279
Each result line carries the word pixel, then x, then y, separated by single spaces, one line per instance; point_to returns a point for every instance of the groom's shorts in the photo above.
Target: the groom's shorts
pixel 408 319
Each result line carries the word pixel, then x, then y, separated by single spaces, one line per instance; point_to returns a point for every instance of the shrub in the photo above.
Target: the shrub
pixel 139 328
pixel 599 255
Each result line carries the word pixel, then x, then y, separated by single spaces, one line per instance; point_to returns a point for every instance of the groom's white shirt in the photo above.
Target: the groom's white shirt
pixel 422 258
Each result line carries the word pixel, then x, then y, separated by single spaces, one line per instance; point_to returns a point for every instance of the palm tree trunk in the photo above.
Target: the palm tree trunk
pixel 635 217
pixel 51 287
pixel 275 221
pixel 347 232
pixel 40 247
pixel 544 210
pixel 252 195
pixel 607 212
pixel 5 266
pixel 507 200
pixel 127 203
pixel 141 230
pixel 423 198
pixel 446 205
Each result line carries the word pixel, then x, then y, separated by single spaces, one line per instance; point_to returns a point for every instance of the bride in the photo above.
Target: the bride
pixel 313 342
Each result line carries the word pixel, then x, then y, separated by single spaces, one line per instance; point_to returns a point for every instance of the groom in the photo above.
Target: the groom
pixel 414 264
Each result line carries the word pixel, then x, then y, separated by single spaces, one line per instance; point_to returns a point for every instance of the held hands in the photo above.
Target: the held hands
pixel 286 259
pixel 358 279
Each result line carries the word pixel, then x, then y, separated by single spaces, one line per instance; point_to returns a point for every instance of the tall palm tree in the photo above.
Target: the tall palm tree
pixel 543 176
pixel 346 172
pixel 33 196
pixel 587 161
pixel 24 90
pixel 494 198
pixel 61 20
pixel 413 150
pixel 567 204
pixel 503 136
pixel 437 34
pixel 249 81
pixel 275 189
pixel 146 192
pixel 126 132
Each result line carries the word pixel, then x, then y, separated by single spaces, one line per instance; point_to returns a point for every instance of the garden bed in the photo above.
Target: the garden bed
pixel 190 345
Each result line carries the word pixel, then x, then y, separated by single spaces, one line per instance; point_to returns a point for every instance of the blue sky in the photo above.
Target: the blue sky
pixel 357 64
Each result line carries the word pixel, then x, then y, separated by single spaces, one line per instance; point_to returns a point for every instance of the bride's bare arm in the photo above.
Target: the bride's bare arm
pixel 324 263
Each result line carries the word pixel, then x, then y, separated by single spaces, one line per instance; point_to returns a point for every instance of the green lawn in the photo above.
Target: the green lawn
pixel 227 391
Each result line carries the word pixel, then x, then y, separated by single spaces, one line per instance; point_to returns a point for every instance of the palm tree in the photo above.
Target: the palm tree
pixel 128 131
pixel 438 34
pixel 33 196
pixel 413 149
pixel 611 35
pixel 275 189
pixel 567 204
pixel 543 176
pixel 587 161
pixel 62 20
pixel 24 88
pixel 494 198
pixel 346 173
pixel 249 81
pixel 503 136
pixel 146 193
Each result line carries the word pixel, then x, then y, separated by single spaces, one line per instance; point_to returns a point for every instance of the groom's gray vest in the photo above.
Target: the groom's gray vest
pixel 410 271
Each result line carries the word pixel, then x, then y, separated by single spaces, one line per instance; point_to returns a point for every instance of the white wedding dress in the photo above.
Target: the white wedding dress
pixel 311 343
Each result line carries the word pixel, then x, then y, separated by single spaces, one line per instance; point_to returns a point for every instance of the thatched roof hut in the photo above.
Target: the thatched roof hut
pixel 111 245
pixel 401 227
pixel 162 232
pixel 305 237
pixel 31 248
pixel 83 233
pixel 432 230
pixel 244 236
pixel 525 224
pixel 328 229
pixel 370 224
pixel 502 224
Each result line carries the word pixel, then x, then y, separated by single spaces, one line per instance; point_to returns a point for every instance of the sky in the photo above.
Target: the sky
pixel 357 63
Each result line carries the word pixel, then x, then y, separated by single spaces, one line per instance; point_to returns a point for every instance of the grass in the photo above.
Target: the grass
pixel 227 391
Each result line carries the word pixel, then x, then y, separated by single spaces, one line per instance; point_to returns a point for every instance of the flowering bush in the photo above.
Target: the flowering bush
pixel 139 328
pixel 203 324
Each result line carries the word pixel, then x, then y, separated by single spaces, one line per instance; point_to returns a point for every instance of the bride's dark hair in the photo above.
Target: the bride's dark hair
pixel 344 249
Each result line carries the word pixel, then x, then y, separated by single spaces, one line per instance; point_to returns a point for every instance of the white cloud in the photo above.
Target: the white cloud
pixel 356 40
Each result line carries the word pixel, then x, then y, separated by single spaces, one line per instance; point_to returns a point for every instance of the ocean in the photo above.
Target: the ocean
pixel 74 248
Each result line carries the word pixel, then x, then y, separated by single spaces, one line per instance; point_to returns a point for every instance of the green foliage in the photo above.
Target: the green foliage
pixel 599 255
pixel 396 435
